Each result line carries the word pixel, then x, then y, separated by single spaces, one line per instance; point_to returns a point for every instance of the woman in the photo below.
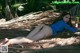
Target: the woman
pixel 43 31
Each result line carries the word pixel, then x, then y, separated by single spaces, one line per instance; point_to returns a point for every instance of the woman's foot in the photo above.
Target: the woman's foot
pixel 4 41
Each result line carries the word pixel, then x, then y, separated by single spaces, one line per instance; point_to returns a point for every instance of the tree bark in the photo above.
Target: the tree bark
pixel 8 13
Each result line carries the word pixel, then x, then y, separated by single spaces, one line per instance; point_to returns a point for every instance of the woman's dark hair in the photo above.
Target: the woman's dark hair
pixel 61 18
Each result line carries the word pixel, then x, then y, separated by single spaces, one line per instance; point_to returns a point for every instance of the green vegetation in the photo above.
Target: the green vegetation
pixel 62 2
pixel 13 8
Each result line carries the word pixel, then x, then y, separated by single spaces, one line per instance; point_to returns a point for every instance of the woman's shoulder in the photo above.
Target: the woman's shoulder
pixel 61 21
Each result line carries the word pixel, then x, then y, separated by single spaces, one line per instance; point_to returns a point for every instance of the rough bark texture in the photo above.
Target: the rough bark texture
pixel 30 20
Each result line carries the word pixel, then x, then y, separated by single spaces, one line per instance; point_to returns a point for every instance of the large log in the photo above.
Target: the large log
pixel 30 20
pixel 45 45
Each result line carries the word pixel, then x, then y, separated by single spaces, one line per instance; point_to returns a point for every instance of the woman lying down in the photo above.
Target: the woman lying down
pixel 44 31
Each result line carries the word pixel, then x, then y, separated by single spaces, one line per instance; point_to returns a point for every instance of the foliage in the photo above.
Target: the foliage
pixel 21 7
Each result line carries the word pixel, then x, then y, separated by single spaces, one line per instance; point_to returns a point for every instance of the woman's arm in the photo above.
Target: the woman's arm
pixel 68 27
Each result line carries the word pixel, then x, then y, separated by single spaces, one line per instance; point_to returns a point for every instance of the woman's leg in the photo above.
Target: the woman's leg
pixel 17 40
pixel 23 39
pixel 36 30
pixel 46 31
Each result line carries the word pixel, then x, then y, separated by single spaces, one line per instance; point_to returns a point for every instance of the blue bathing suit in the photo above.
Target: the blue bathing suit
pixel 60 26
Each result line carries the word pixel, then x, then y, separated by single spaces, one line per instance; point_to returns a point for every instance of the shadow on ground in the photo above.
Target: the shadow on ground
pixel 11 33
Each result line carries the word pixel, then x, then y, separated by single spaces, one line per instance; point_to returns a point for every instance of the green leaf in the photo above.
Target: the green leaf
pixel 18 4
pixel 20 8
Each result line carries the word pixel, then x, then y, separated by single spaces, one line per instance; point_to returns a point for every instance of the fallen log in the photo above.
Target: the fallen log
pixel 48 44
pixel 30 20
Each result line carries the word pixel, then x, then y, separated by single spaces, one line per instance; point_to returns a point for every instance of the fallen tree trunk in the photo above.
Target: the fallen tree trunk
pixel 31 20
pixel 48 45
